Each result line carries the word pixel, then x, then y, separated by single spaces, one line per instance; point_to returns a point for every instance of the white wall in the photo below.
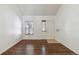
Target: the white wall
pixel 67 20
pixel 10 27
pixel 38 34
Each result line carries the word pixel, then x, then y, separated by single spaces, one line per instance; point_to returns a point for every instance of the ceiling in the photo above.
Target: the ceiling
pixel 38 9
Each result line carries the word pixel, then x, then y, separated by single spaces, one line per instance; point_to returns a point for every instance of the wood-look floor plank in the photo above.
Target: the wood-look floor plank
pixel 38 47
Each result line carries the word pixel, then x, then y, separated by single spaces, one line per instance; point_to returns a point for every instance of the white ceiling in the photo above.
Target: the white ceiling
pixel 38 9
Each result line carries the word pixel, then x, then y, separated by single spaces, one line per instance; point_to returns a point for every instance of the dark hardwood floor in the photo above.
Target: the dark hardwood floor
pixel 38 47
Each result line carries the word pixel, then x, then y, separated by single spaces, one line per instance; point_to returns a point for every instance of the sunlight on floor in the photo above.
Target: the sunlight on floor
pixel 52 41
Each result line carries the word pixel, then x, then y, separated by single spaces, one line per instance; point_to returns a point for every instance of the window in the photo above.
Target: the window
pixel 43 25
pixel 28 27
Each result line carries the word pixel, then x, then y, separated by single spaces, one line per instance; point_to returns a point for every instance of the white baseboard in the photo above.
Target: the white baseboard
pixel 68 47
pixel 36 39
pixel 10 46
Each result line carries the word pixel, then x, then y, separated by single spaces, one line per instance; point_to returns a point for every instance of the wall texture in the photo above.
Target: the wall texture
pixel 67 20
pixel 38 34
pixel 10 27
